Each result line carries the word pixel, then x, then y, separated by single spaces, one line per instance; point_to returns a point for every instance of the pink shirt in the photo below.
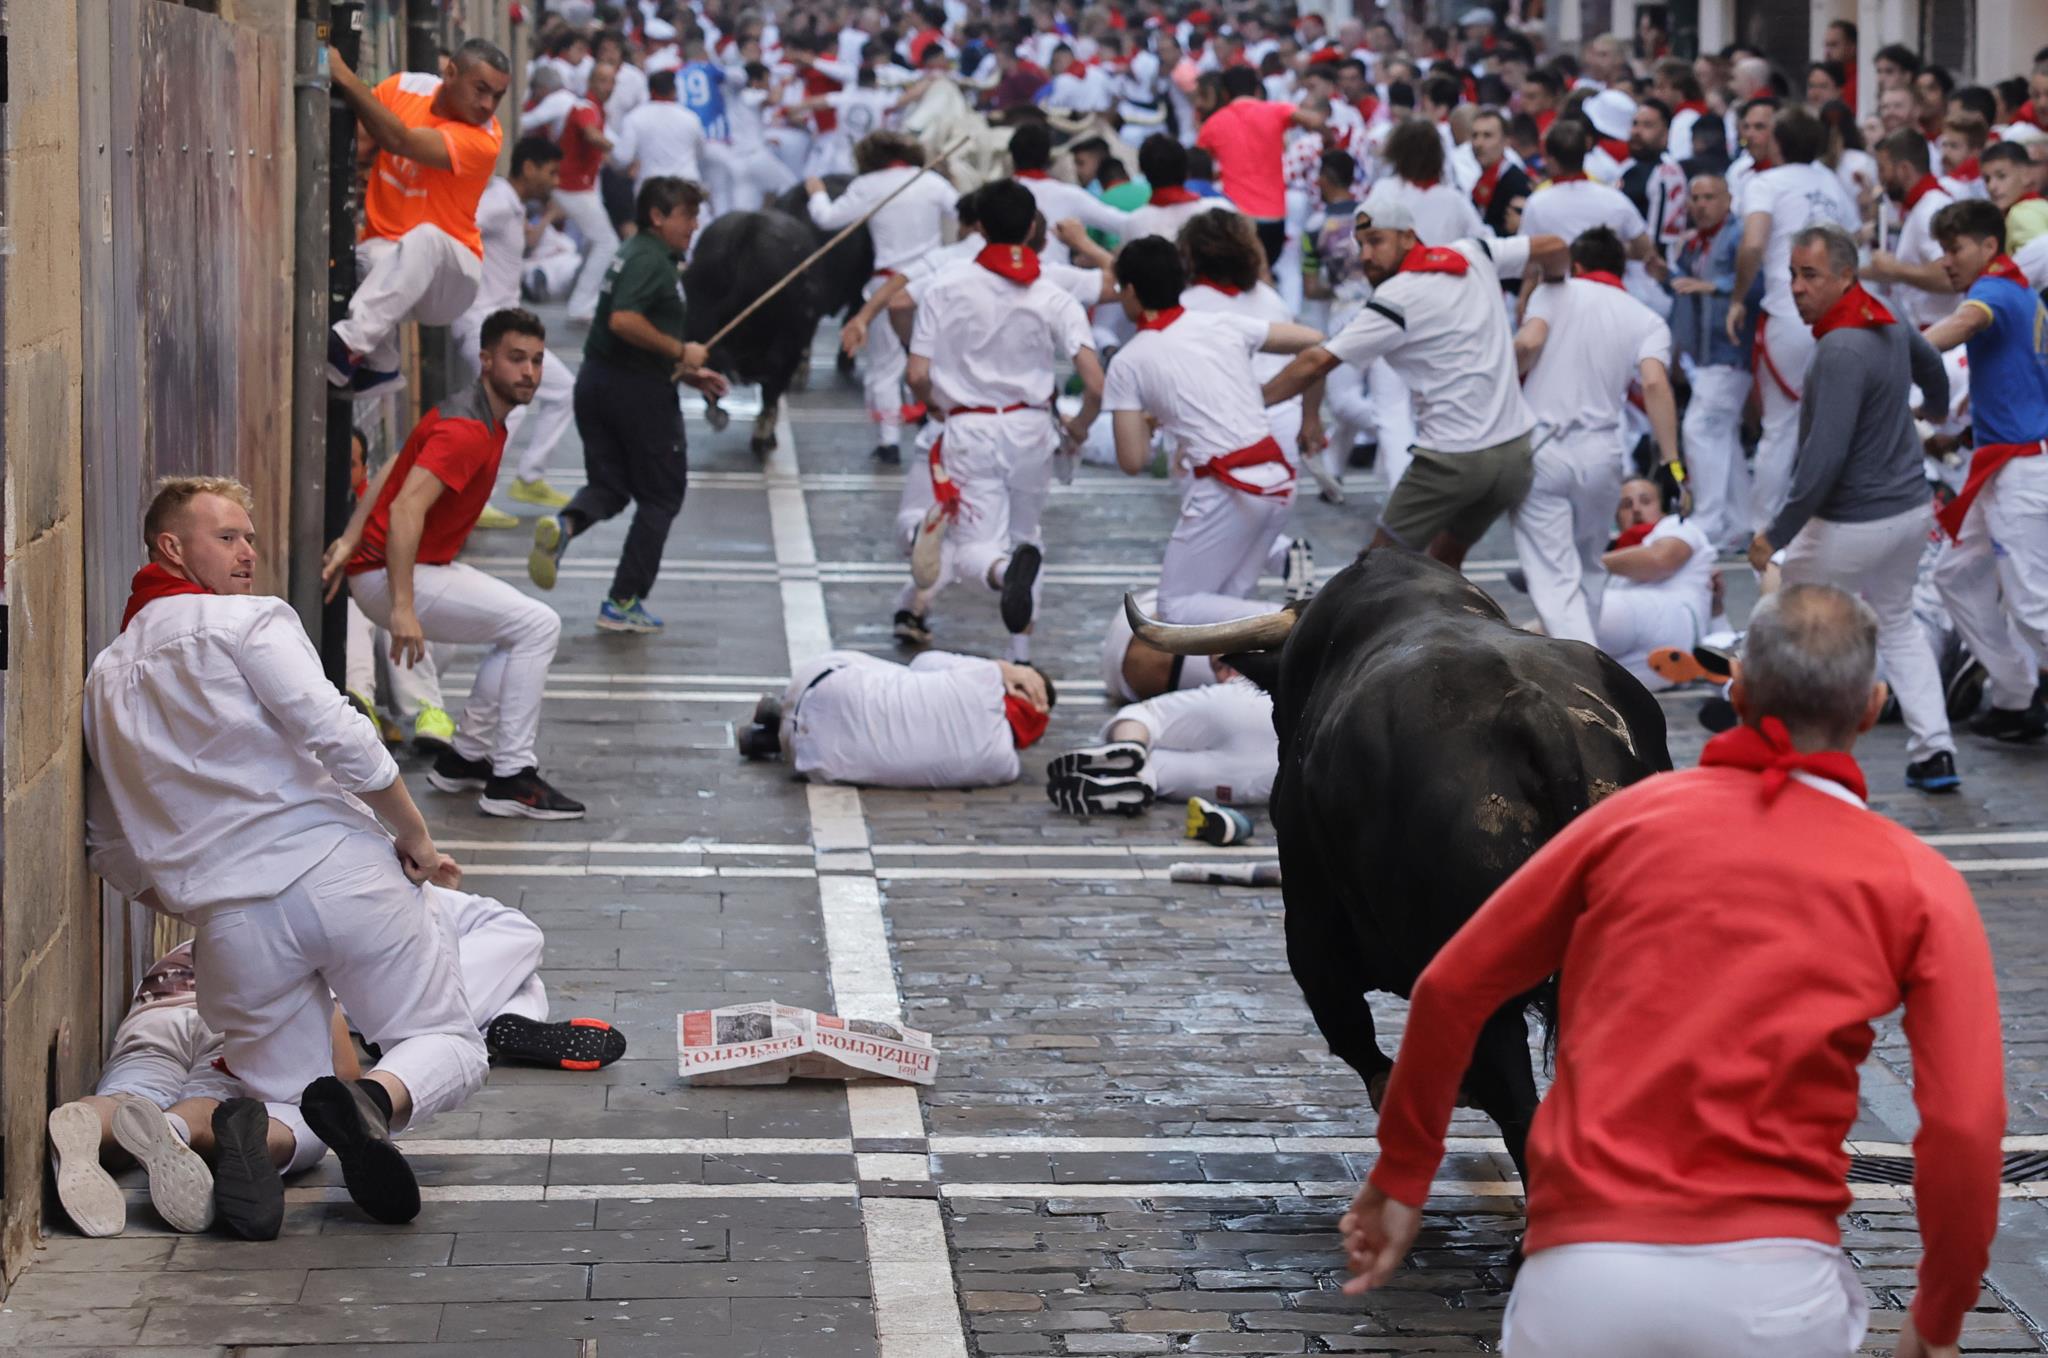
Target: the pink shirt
pixel 1247 137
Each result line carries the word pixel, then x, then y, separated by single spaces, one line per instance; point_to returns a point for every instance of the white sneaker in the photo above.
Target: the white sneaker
pixel 1300 576
pixel 927 548
pixel 180 1184
pixel 89 1194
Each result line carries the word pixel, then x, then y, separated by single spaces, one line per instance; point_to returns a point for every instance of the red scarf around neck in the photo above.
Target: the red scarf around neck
pixel 1601 276
pixel 1434 259
pixel 1854 310
pixel 1018 263
pixel 1928 184
pixel 2026 198
pixel 1027 723
pixel 1768 750
pixel 1224 288
pixel 151 583
pixel 1574 177
pixel 1482 192
pixel 1033 174
pixel 1968 170
pixel 1690 106
pixel 1631 536
pixel 1616 147
pixel 1422 185
pixel 2002 266
pixel 1172 195
pixel 1159 320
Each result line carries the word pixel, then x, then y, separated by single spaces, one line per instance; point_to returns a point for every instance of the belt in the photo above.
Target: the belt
pixel 1266 450
pixel 992 410
pixel 1984 464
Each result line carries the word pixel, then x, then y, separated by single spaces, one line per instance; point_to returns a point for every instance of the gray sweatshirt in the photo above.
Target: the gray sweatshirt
pixel 1859 456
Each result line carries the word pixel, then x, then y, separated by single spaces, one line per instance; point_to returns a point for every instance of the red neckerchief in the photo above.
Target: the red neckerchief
pixel 1173 195
pixel 1159 320
pixel 1027 723
pixel 1545 119
pixel 1368 106
pixel 2027 198
pixel 1482 192
pixel 1033 174
pixel 1616 147
pixel 1968 170
pixel 1631 536
pixel 1601 276
pixel 2003 267
pixel 1223 288
pixel 1690 106
pixel 1704 236
pixel 1576 176
pixel 1018 263
pixel 151 583
pixel 1433 259
pixel 1928 184
pixel 1768 750
pixel 1422 185
pixel 1853 310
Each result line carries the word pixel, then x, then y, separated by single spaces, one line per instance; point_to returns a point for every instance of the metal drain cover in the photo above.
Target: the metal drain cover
pixel 2021 1167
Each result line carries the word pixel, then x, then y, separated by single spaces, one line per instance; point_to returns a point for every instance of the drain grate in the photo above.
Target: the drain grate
pixel 2021 1167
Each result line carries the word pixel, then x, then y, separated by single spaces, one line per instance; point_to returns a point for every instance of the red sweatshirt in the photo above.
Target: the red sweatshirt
pixel 1721 958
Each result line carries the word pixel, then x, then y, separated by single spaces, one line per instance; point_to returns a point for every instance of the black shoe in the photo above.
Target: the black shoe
pixel 1364 455
pixel 1714 660
pixel 768 711
pixel 1935 773
pixel 527 794
pixel 453 773
pixel 1965 688
pixel 1518 579
pixel 911 628
pixel 357 1131
pixel 888 454
pixel 758 742
pixel 573 1044
pixel 1086 794
pixel 1018 578
pixel 1119 758
pixel 2013 724
pixel 248 1194
pixel 1717 715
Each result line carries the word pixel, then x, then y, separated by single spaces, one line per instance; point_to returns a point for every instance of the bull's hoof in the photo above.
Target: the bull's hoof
pixel 717 417
pixel 762 444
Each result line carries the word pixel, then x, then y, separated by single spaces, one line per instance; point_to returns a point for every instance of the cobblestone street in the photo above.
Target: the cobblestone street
pixel 1137 1143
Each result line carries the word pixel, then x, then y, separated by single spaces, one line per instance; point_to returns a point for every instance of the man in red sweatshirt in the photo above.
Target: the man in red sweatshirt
pixel 1687 1170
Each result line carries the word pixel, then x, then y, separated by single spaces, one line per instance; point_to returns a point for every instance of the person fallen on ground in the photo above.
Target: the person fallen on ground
pixel 420 257
pixel 1214 742
pixel 398 553
pixel 214 1154
pixel 1660 583
pixel 942 721
pixel 1687 1168
pixel 1133 669
pixel 232 785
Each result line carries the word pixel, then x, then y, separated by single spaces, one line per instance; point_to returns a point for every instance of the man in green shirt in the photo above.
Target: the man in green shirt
pixel 626 408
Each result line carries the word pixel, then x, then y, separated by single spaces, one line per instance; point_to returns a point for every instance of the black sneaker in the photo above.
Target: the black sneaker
pixel 1936 773
pixel 758 742
pixel 911 628
pixel 888 455
pixel 248 1194
pixel 1018 578
pixel 1086 794
pixel 2013 724
pixel 1717 714
pixel 573 1044
pixel 1300 577
pixel 357 1131
pixel 527 794
pixel 1119 758
pixel 768 711
pixel 1965 689
pixel 453 773
pixel 1518 579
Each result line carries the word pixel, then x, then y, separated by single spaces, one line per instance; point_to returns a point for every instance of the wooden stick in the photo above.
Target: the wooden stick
pixel 821 251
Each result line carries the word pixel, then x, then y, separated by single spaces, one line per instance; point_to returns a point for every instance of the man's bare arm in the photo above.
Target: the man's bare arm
pixel 1294 379
pixel 1965 322
pixel 408 521
pixel 384 127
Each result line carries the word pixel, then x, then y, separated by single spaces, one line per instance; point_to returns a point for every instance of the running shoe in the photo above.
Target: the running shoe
pixel 374 381
pixel 248 1194
pixel 768 711
pixel 1936 773
pixel 758 742
pixel 927 548
pixel 494 517
pixel 1965 690
pixel 1218 825
pixel 433 730
pixel 626 615
pixel 537 492
pixel 2013 724
pixel 1717 714
pixel 911 628
pixel 1300 577
pixel 550 540
pixel 1086 794
pixel 180 1184
pixel 527 794
pixel 1680 666
pixel 1018 578
pixel 1517 578
pixel 453 773
pixel 1118 759
pixel 341 362
pixel 89 1195
pixel 388 729
pixel 717 416
pixel 358 1131
pixel 572 1044
pixel 888 454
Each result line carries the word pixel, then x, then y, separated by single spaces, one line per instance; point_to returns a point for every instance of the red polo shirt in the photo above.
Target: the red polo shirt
pixel 461 445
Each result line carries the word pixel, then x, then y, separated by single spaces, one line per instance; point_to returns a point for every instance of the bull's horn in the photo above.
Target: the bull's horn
pixel 1259 632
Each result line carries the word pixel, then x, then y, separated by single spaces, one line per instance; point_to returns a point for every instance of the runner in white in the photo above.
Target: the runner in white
pixel 1215 742
pixel 661 137
pixel 1906 261
pixel 1134 670
pixel 1572 203
pixel 1031 153
pixel 1660 585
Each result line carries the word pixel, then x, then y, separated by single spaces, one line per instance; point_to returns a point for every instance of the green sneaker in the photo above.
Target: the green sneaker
pixel 494 517
pixel 626 615
pixel 537 492
pixel 549 541
pixel 386 728
pixel 433 731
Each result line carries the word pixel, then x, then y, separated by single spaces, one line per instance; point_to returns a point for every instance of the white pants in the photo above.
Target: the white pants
pixel 545 418
pixel 1002 466
pixel 1788 344
pixel 426 275
pixel 553 265
pixel 1715 471
pixel 1563 525
pixel 1216 741
pixel 1393 408
pixel 1287 269
pixel 830 153
pixel 585 210
pixel 742 181
pixel 354 925
pixel 882 375
pixel 1994 580
pixel 1744 1299
pixel 1351 416
pixel 1635 621
pixel 460 604
pixel 1217 550
pixel 791 146
pixel 411 688
pixel 1879 561
pixel 498 951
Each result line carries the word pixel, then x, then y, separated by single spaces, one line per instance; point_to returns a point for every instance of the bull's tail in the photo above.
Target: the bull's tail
pixel 1557 792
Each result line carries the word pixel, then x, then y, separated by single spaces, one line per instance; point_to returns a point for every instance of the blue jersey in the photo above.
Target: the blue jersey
pixel 701 88
pixel 2008 364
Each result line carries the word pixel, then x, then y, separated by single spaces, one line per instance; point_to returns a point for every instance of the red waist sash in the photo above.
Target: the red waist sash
pixel 1259 454
pixel 1984 464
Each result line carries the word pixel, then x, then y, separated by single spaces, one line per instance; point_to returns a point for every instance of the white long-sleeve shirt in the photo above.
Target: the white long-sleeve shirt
pixel 666 138
pixel 909 228
pixel 1058 200
pixel 936 722
pixel 228 762
pixel 992 343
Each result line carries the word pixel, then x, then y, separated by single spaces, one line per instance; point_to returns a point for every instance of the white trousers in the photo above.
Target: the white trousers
pixel 1994 580
pixel 881 377
pixel 742 181
pixel 1215 741
pixel 1287 269
pixel 1788 344
pixel 1879 561
pixel 426 275
pixel 585 210
pixel 1393 408
pixel 354 925
pixel 830 153
pixel 1634 622
pixel 1351 416
pixel 460 604
pixel 1715 471
pixel 1002 465
pixel 411 689
pixel 165 1053
pixel 791 146
pixel 1564 524
pixel 545 418
pixel 498 951
pixel 1218 547
pixel 1745 1299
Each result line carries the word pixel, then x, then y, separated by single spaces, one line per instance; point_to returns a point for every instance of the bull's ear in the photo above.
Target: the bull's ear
pixel 1261 667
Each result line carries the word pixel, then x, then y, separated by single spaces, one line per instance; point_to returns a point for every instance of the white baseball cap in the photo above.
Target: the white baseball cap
pixel 1611 111
pixel 1385 210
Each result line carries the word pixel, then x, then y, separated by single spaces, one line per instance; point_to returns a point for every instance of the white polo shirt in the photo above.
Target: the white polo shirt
pixel 992 342
pixel 909 228
pixel 936 722
pixel 501 221
pixel 1261 304
pixel 1577 206
pixel 1598 334
pixel 1166 222
pixel 1195 378
pixel 1447 335
pixel 665 138
pixel 1796 197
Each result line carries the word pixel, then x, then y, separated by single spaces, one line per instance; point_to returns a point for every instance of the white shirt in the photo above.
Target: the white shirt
pixel 2033 258
pixel 992 342
pixel 1195 378
pixel 1796 197
pixel 860 111
pixel 1740 171
pixel 1914 243
pixel 546 116
pixel 1087 92
pixel 937 722
pixel 745 124
pixel 910 227
pixel 629 91
pixel 1577 206
pixel 1858 172
pixel 920 274
pixel 1166 221
pixel 1598 334
pixel 227 761
pixel 666 138
pixel 1083 285
pixel 1442 213
pixel 1447 334
pixel 501 220
pixel 1268 308
pixel 1059 200
pixel 1691 584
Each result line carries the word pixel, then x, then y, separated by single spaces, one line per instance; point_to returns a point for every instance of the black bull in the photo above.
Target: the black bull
pixel 1427 749
pixel 741 256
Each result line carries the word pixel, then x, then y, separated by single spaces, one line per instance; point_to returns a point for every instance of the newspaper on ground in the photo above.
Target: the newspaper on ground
pixel 765 1043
